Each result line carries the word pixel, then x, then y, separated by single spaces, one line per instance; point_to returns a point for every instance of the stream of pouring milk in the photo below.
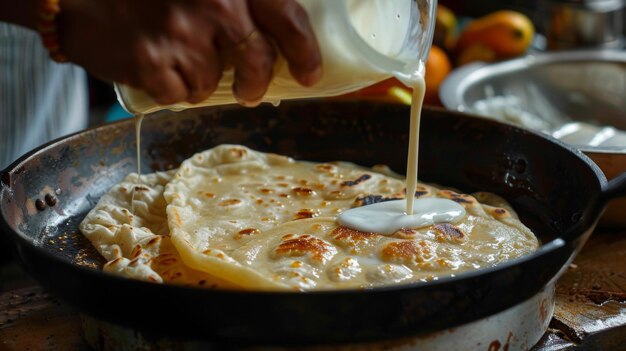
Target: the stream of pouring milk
pixel 138 119
pixel 389 217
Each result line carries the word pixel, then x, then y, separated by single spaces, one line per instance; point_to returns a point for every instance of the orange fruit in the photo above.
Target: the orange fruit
pixel 437 68
pixel 476 52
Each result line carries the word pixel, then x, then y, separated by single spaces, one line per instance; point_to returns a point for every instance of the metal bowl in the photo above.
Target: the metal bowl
pixel 576 96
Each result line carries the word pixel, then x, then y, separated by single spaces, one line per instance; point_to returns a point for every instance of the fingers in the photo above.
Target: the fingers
pixel 194 56
pixel 254 64
pixel 249 52
pixel 187 66
pixel 288 24
pixel 157 75
pixel 175 71
pixel 201 73
pixel 166 87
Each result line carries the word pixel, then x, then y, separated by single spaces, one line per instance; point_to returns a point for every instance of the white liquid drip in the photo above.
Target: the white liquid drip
pixel 419 90
pixel 389 217
pixel 138 120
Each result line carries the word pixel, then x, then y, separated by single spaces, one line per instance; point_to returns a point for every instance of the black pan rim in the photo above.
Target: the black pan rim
pixel 163 114
pixel 544 249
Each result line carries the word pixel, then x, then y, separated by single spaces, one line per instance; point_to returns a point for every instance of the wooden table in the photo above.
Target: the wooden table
pixel 590 312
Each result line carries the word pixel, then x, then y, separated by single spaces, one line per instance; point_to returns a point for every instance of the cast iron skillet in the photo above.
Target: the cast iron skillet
pixel 558 192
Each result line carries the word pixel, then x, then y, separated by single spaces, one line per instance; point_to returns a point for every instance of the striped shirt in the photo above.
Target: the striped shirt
pixel 39 99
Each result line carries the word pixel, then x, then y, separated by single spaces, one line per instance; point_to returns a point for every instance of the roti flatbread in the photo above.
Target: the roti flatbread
pixel 137 245
pixel 264 221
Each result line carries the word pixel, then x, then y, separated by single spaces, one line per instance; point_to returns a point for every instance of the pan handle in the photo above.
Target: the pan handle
pixel 615 188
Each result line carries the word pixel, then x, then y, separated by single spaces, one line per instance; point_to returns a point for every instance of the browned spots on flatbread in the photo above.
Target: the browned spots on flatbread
pixel 177 216
pixel 405 233
pixel 284 195
pixel 306 213
pixel 319 186
pixel 137 251
pixel 463 199
pixel 229 202
pixel 301 191
pixel 498 212
pixel 165 260
pixel 419 191
pixel 141 188
pixel 336 194
pixel 134 262
pixel 372 199
pixel 209 195
pixel 448 232
pixel 305 245
pixel 357 181
pixel 325 167
pixel 266 191
pixel 344 234
pixel 407 252
pixel 113 262
pixel 238 153
pixel 246 232
pixel 117 252
pixel 442 262
pixel 157 239
pixel 316 227
pixel 354 239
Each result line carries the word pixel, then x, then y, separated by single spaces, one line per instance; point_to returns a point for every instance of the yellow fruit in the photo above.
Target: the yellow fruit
pixel 506 33
pixel 445 28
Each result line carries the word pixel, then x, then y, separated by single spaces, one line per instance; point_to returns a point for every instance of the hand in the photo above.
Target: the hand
pixel 176 50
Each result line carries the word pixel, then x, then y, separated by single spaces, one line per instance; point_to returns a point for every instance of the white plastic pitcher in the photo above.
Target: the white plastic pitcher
pixel 362 42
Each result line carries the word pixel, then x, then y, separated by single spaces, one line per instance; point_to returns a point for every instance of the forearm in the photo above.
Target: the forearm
pixel 20 12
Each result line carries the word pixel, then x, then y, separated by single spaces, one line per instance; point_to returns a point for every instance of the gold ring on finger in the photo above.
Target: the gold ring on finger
pixel 243 43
